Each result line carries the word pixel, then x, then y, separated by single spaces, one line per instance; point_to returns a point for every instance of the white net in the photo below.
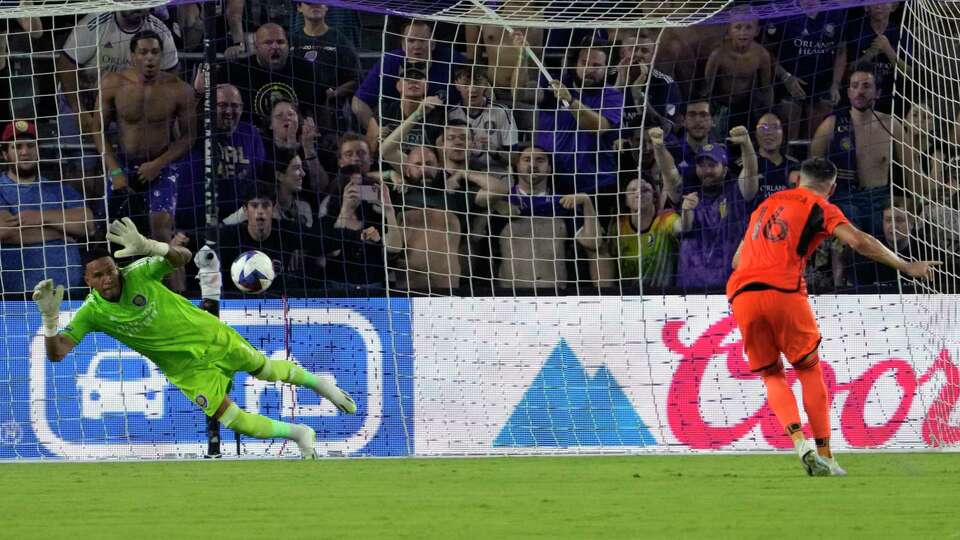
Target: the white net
pixel 46 8
pixel 532 286
pixel 927 85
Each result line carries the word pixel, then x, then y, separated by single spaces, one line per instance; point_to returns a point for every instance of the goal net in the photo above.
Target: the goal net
pixel 475 226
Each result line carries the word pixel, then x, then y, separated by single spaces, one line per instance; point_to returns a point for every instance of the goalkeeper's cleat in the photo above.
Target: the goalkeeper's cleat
pixel 835 468
pixel 344 402
pixel 814 464
pixel 327 387
pixel 305 437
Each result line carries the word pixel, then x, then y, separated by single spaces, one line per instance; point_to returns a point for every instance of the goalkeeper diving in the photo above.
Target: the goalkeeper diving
pixel 197 352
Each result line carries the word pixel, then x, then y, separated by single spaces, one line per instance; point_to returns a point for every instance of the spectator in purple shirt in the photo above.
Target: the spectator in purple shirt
pixel 875 38
pixel 579 123
pixel 418 48
pixel 240 155
pixel 715 215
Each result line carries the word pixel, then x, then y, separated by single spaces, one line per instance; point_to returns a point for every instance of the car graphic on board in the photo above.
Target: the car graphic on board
pixel 103 392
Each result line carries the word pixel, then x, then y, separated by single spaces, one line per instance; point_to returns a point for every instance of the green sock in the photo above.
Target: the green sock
pixel 258 426
pixel 286 371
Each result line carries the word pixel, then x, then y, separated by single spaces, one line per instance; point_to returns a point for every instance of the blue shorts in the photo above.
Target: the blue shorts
pixel 161 193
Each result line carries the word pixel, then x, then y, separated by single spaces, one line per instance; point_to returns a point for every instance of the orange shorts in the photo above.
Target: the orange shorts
pixel 774 322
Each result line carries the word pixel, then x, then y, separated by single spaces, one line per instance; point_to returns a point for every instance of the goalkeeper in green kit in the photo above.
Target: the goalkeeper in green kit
pixel 196 351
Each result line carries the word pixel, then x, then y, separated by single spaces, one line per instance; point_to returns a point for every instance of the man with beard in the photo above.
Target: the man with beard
pixel 433 199
pixel 272 75
pixel 579 127
pixel 697 132
pixel 240 154
pixel 713 217
pixel 41 221
pixel 154 111
pixel 534 243
pixel 439 62
pixel 660 99
pixel 858 140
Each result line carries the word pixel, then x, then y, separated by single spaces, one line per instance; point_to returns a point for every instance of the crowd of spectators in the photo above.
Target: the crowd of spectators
pixel 450 163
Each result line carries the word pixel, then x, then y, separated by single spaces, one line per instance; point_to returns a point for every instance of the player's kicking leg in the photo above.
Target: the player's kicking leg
pixel 261 427
pixel 784 406
pixel 816 403
pixel 286 371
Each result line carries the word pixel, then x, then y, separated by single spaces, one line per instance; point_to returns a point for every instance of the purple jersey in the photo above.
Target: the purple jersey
pixel 860 37
pixel 807 47
pixel 239 158
pixel 588 155
pixel 443 63
pixel 707 250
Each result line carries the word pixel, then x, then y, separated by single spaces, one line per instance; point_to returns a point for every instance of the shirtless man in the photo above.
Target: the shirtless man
pixel 738 75
pixel 433 202
pixel 431 235
pixel 682 52
pixel 509 67
pixel 154 111
pixel 858 141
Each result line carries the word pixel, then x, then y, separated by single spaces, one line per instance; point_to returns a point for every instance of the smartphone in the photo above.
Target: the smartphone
pixel 368 193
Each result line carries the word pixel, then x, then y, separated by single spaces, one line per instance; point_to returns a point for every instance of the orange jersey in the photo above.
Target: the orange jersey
pixel 783 232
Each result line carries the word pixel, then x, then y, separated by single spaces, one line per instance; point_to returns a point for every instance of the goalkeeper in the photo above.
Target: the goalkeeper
pixel 195 350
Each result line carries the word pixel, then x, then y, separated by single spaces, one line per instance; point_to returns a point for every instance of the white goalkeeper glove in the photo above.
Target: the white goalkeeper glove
pixel 124 232
pixel 209 273
pixel 48 302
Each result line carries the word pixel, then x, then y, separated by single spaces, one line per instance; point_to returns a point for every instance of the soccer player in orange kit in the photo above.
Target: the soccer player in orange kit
pixel 768 297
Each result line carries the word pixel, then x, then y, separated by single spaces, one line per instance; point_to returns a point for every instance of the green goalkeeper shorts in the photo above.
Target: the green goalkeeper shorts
pixel 205 380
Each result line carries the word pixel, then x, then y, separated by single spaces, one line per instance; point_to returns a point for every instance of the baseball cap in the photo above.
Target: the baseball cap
pixel 413 70
pixel 716 152
pixel 19 129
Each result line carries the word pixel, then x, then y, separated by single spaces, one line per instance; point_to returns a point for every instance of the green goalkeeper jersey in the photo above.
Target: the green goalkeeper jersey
pixel 151 319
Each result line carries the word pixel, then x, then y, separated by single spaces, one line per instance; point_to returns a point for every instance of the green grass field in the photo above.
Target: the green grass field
pixel 764 496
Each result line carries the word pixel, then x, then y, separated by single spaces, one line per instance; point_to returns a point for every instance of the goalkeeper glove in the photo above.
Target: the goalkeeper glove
pixel 124 232
pixel 209 273
pixel 48 302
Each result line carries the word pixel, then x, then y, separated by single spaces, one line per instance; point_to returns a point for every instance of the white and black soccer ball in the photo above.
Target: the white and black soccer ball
pixel 252 272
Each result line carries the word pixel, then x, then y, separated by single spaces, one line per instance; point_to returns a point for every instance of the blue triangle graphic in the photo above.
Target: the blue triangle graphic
pixel 565 408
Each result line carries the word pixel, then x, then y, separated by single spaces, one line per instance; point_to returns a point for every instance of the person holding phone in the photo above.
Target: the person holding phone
pixel 354 237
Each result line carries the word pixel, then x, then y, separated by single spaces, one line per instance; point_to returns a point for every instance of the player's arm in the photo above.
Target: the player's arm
pixel 48 301
pixel 872 248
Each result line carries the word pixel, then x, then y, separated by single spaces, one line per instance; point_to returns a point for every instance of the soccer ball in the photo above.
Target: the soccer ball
pixel 252 272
